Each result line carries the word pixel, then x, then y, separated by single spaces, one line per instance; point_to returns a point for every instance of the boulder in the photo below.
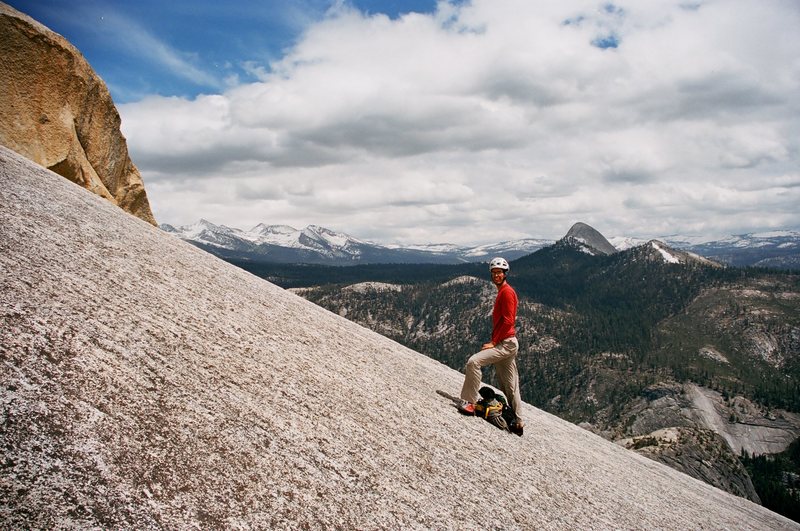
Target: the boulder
pixel 58 113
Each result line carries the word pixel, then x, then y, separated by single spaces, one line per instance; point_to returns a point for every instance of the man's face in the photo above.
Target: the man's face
pixel 498 276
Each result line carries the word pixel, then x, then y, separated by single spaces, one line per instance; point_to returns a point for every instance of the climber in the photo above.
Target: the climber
pixel 501 351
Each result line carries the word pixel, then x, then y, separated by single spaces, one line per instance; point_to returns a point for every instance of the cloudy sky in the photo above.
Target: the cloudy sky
pixel 466 122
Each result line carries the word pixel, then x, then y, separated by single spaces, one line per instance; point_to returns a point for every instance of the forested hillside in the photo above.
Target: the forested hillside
pixel 595 330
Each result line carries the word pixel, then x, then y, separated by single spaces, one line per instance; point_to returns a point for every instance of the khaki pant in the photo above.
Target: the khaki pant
pixel 504 358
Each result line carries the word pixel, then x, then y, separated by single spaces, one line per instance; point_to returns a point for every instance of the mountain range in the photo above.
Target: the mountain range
pixel 319 245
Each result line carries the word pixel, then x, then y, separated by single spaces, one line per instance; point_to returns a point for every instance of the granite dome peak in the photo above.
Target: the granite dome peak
pixel 589 240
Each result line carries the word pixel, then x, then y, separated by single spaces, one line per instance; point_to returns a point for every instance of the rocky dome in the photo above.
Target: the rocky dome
pixel 148 384
pixel 590 239
pixel 58 113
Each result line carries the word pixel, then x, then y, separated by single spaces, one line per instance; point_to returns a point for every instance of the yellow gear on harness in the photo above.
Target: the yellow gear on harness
pixel 488 409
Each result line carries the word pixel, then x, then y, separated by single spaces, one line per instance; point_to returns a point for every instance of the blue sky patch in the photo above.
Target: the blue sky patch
pixel 611 9
pixel 607 41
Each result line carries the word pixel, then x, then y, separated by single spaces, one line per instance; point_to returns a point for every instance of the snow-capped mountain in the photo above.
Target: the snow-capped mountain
pixel 511 250
pixel 208 233
pixel 662 252
pixel 312 237
pixel 318 245
pixel 276 243
pixel 778 249
pixel 623 243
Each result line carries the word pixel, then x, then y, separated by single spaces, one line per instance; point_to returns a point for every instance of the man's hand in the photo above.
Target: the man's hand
pixel 487 346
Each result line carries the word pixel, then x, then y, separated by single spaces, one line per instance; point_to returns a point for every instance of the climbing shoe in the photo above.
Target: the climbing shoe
pixel 516 427
pixel 466 408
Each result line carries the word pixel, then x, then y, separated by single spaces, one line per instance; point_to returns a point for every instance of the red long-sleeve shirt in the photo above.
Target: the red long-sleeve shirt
pixel 504 314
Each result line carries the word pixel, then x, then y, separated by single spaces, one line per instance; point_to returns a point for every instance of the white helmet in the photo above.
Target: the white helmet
pixel 498 263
